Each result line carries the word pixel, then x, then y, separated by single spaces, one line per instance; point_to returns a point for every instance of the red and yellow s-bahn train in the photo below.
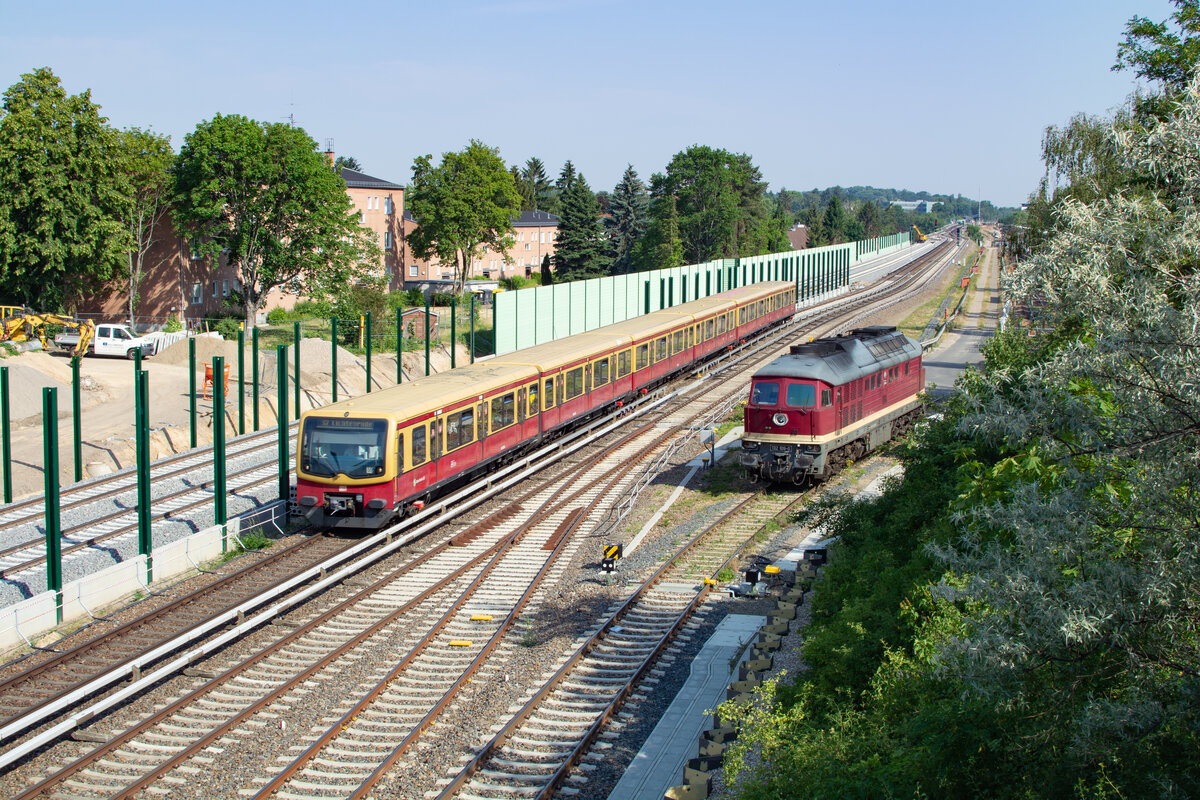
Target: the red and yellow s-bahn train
pixel 831 401
pixel 364 461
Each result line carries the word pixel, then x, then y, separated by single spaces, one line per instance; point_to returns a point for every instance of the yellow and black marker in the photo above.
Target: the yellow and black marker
pixel 612 552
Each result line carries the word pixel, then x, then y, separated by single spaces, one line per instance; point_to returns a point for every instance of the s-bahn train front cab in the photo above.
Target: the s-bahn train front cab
pixel 345 468
pixel 784 422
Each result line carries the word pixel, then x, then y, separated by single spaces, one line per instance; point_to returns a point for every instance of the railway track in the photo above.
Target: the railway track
pixel 378 629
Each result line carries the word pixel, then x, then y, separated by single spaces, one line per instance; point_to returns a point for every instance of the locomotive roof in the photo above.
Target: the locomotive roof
pixel 838 359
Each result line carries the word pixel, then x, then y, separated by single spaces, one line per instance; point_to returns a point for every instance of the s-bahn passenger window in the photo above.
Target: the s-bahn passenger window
pixel 688 341
pixel 418 445
pixel 600 373
pixel 826 398
pixel 677 343
pixel 549 392
pixel 720 324
pixel 643 356
pixel 502 412
pixel 764 393
pixel 623 362
pixel 801 395
pixel 709 325
pixel 742 315
pixel 435 439
pixel 460 429
pixel 575 383
pixel 660 349
pixel 534 406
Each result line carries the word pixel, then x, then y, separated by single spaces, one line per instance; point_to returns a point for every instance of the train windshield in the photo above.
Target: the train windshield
pixel 355 448
pixel 801 395
pixel 764 393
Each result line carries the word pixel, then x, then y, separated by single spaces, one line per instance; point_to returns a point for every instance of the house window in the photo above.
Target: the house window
pixel 362 217
pixel 224 288
pixel 412 271
pixel 387 240
pixel 528 246
pixel 216 286
pixel 197 293
pixel 387 204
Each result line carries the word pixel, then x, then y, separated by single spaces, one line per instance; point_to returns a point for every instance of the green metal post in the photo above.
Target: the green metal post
pixel 76 419
pixel 646 299
pixel 253 375
pixel 219 511
pixel 50 473
pixel 284 458
pixel 399 345
pixel 137 361
pixel 192 388
pixel 472 328
pixel 427 336
pixel 142 394
pixel 453 334
pixel 5 434
pixel 296 363
pixel 662 293
pixel 368 358
pixel 241 381
pixel 333 344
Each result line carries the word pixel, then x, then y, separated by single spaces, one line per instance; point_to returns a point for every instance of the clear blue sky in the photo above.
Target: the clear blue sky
pixel 944 97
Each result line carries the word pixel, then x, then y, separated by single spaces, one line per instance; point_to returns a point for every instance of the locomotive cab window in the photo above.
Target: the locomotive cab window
pixel 801 395
pixel 765 393
pixel 826 398
pixel 355 448
pixel 906 368
pixel 418 445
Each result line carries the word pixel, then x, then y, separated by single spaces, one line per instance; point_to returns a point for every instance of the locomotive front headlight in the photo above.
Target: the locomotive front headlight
pixel 780 418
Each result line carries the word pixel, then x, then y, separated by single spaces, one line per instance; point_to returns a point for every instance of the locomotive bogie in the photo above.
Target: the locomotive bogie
pixel 364 461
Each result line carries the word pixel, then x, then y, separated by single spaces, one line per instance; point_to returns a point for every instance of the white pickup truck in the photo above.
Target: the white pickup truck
pixel 110 340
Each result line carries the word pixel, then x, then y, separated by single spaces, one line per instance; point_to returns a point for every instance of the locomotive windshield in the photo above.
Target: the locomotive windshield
pixel 764 393
pixel 801 395
pixel 355 448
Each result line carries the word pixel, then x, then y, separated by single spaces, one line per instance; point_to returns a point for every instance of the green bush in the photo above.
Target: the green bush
pixel 442 298
pixel 173 324
pixel 277 316
pixel 313 309
pixel 413 297
pixel 228 328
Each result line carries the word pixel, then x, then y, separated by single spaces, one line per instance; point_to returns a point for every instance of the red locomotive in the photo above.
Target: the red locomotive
pixel 830 402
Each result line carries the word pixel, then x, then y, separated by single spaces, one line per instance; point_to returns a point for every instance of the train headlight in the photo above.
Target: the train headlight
pixel 780 418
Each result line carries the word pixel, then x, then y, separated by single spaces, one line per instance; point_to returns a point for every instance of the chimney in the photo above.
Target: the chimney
pixel 329 157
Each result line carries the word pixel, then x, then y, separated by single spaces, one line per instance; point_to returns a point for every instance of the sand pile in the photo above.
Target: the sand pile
pixel 207 347
pixel 25 386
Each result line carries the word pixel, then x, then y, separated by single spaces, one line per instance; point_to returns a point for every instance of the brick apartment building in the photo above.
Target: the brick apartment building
pixel 177 282
pixel 534 233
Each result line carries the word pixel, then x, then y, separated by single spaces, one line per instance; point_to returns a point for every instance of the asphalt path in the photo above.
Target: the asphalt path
pixel 961 345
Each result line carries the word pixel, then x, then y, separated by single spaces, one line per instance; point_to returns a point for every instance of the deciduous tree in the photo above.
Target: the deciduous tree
pixel 63 196
pixel 262 197
pixel 466 202
pixel 148 159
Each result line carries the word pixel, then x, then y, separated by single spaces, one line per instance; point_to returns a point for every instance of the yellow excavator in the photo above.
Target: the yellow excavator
pixel 920 236
pixel 26 326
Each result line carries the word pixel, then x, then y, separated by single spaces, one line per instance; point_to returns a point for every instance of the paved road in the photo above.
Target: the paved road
pixel 961 345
